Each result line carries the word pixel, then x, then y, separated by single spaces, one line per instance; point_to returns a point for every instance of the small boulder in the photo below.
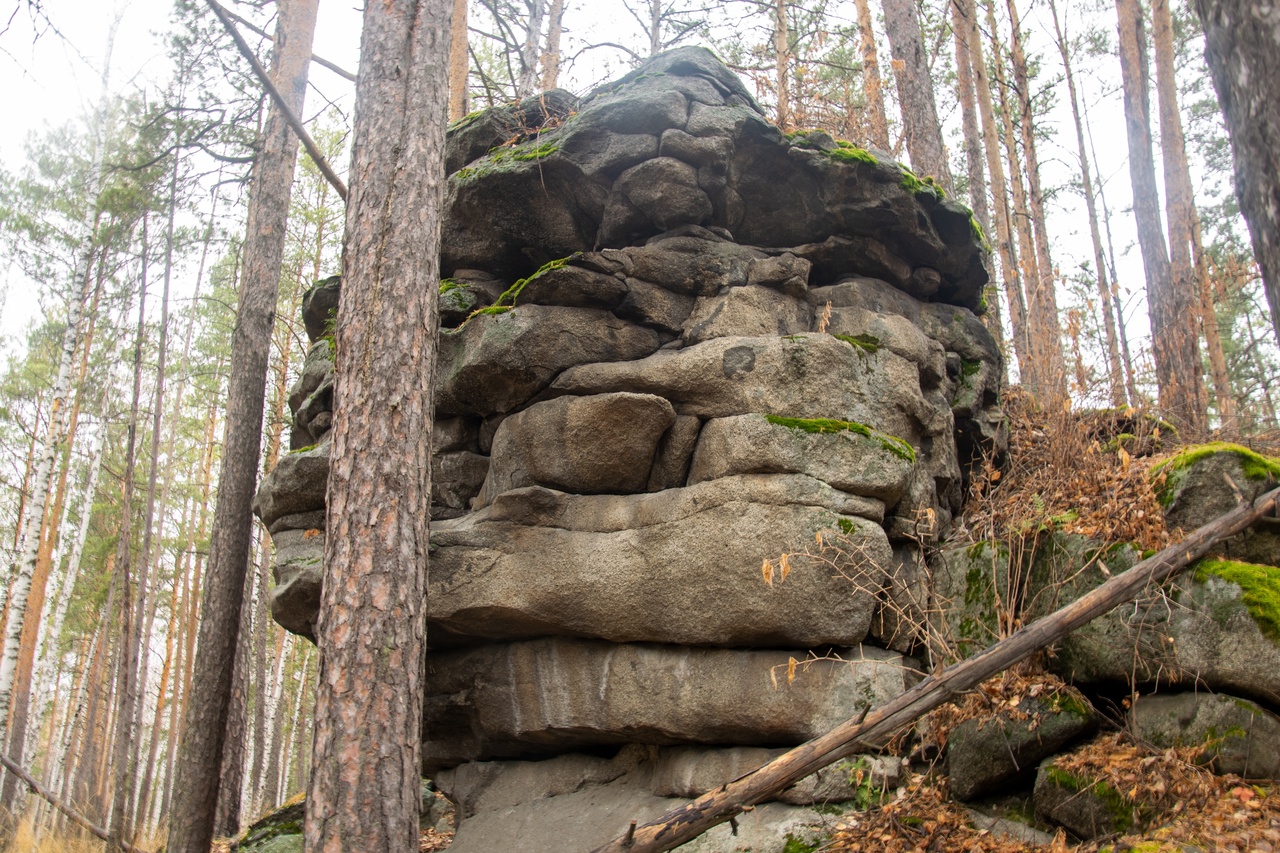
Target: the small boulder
pixel 1239 736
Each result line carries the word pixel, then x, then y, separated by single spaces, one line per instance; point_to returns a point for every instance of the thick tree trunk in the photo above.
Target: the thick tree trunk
pixel 195 784
pixel 1115 378
pixel 1178 372
pixel 1240 48
pixel 365 782
pixel 915 92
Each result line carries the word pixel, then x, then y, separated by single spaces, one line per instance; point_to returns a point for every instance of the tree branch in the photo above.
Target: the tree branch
pixel 63 807
pixel 692 819
pixel 318 60
pixel 261 73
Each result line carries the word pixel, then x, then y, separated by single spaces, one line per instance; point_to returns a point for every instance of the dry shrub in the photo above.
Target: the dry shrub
pixel 1071 471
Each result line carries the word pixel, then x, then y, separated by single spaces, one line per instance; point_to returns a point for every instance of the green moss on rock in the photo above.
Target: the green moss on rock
pixel 893 444
pixel 1255 466
pixel 866 343
pixel 848 153
pixel 1259 585
pixel 1120 810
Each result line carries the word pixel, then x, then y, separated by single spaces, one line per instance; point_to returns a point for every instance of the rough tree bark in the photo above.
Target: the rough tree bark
pixel 459 63
pixel 1190 272
pixel 877 121
pixel 551 56
pixel 365 779
pixel 1176 353
pixel 915 92
pixel 195 789
pixel 1241 48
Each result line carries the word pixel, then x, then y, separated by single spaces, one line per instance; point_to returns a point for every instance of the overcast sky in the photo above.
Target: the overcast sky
pixel 50 74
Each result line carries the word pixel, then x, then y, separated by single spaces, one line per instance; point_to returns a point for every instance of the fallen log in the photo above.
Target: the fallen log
pixel 694 818
pixel 75 816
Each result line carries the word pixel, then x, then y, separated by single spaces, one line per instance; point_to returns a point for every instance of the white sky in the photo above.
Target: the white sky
pixel 53 78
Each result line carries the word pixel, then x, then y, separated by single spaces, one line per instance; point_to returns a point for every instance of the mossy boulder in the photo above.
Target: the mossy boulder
pixel 1238 736
pixel 278 832
pixel 1086 807
pixel 1207 480
pixel 986 754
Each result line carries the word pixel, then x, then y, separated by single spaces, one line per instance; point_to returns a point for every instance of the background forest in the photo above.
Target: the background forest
pixel 121 234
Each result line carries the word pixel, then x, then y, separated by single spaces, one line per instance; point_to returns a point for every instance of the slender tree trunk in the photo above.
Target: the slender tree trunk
pixel 1042 300
pixel 550 57
pixel 126 685
pixel 369 691
pixel 961 12
pixel 195 785
pixel 1178 372
pixel 1115 378
pixel 230 789
pixel 529 51
pixel 1189 287
pixel 1240 48
pixel 782 63
pixel 877 120
pixel 915 92
pixel 458 62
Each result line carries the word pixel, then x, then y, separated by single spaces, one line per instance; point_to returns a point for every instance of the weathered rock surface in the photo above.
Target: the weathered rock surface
pixel 1239 736
pixel 638 281
pixel 681 566
pixel 983 755
pixel 547 696
pixel 1087 808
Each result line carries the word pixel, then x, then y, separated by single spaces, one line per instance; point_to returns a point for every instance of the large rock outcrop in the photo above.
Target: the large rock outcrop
pixel 677 344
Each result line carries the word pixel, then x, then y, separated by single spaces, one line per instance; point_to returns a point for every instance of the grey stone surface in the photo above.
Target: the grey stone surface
pixel 1084 807
pixel 675 451
pixel 747 312
pixel 869 465
pixel 983 755
pixel 603 443
pixel 544 697
pixel 496 363
pixel 295 485
pixel 685 568
pixel 298 569
pixel 1240 737
pixel 456 478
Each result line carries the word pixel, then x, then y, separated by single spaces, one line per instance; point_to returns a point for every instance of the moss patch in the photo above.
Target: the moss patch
pixel 1118 808
pixel 893 444
pixel 507 300
pixel 1256 467
pixel 306 449
pixel 799 845
pixel 866 343
pixel 916 185
pixel 848 153
pixel 1260 586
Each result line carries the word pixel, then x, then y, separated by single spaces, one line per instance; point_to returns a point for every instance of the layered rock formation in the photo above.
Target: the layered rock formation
pixel 677 344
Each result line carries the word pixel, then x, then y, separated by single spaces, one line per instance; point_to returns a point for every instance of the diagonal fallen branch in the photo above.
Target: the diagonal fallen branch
pixel 63 807
pixel 692 819
pixel 265 79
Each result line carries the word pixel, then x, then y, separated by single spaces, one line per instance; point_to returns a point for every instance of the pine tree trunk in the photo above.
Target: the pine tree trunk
pixel 1240 48
pixel 1173 343
pixel 459 62
pixel 877 120
pixel 1188 285
pixel 915 92
pixel 1115 379
pixel 782 64
pixel 365 782
pixel 961 11
pixel 1042 300
pixel 195 785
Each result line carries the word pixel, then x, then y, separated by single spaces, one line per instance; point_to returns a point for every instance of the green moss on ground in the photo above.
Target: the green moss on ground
pixel 1259 585
pixel 866 343
pixel 799 845
pixel 893 444
pixel 1118 808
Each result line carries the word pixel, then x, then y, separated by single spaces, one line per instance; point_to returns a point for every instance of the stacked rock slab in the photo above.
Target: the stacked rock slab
pixel 676 343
